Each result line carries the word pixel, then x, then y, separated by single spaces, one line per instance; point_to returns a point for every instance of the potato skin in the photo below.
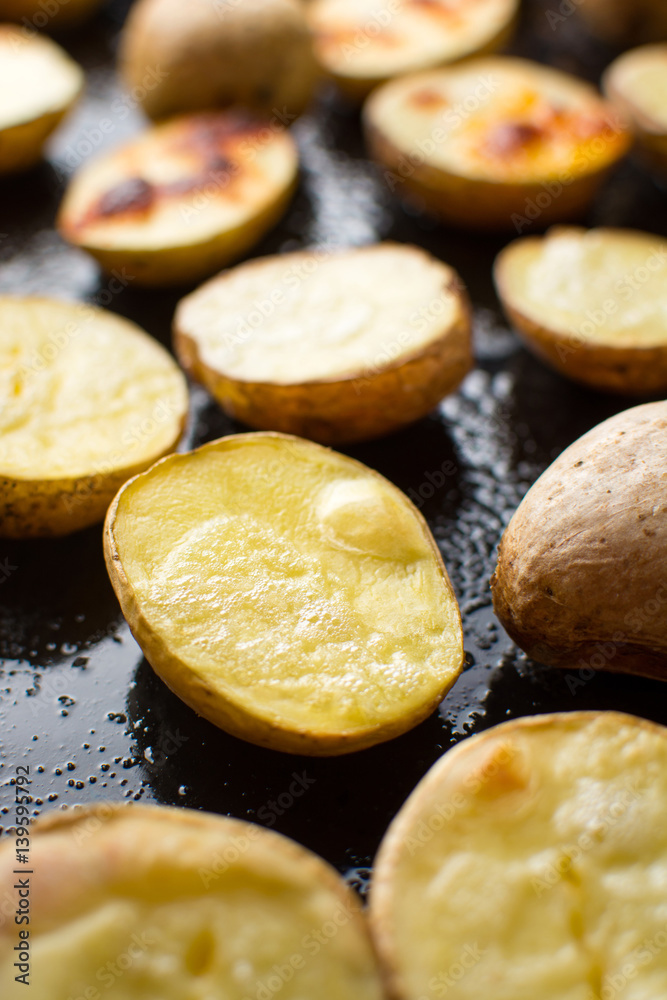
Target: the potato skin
pixel 68 13
pixel 650 134
pixel 626 20
pixel 21 145
pixel 225 713
pixel 257 54
pixel 343 410
pixel 626 370
pixel 582 567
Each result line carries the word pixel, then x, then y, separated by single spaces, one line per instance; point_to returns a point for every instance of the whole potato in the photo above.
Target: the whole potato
pixel 581 579
pixel 179 57
pixel 47 15
pixel 626 21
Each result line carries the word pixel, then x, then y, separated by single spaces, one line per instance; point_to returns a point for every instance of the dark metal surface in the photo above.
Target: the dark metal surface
pixel 81 706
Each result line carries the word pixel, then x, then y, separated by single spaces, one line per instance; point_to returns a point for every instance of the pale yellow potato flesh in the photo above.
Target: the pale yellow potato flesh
pixel 592 304
pixel 364 42
pixel 38 85
pixel 637 83
pixel 87 400
pixel 287 593
pixel 531 861
pixel 494 143
pixel 147 902
pixel 335 346
pixel 184 198
pixel 257 54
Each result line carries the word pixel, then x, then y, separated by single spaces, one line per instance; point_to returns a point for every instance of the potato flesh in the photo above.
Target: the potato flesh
pixel 299 586
pixel 144 915
pixel 500 119
pixel 36 78
pixel 83 392
pixel 204 175
pixel 300 318
pixel 361 38
pixel 481 887
pixel 616 277
pixel 640 77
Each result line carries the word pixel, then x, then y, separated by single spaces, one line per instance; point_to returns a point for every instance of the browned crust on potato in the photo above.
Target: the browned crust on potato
pixel 223 713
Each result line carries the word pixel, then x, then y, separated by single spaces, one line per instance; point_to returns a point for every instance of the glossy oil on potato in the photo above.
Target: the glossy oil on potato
pixel 288 594
pixel 581 580
pixel 135 901
pixel 184 198
pixel 637 83
pixel 39 83
pixel 87 400
pixel 361 43
pixel 256 54
pixel 336 346
pixel 497 143
pixel 530 862
pixel 592 304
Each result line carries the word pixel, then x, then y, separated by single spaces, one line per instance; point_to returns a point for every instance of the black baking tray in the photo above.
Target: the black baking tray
pixel 78 702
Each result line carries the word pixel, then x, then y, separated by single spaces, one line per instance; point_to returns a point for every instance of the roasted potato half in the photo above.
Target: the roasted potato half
pixel 495 143
pixel 183 199
pixel 46 15
pixel 580 580
pixel 623 21
pixel 335 346
pixel 87 400
pixel 361 43
pixel 39 83
pixel 288 594
pixel 527 864
pixel 637 83
pixel 135 901
pixel 215 53
pixel 592 304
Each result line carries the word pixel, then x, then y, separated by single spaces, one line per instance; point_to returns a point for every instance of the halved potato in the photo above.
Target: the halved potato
pixel 183 199
pixel 592 304
pixel 212 53
pixel 39 83
pixel 340 346
pixel 130 902
pixel 530 862
pixel 290 595
pixel 623 21
pixel 582 566
pixel 87 400
pixel 361 43
pixel 637 83
pixel 494 143
pixel 48 14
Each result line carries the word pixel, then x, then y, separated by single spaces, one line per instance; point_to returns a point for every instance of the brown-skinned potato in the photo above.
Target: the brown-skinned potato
pixel 53 16
pixel 349 345
pixel 214 53
pixel 623 21
pixel 581 580
pixel 497 143
pixel 591 304
pixel 290 595
pixel 637 83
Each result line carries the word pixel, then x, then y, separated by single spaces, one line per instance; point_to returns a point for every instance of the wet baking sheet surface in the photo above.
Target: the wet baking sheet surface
pixel 79 703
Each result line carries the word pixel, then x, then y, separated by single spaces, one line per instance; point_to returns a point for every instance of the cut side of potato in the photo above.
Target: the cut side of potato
pixel 592 304
pixel 580 580
pixel 637 83
pixel 142 901
pixel 289 594
pixel 214 53
pixel 362 43
pixel 87 400
pixel 183 199
pixel 494 143
pixel 46 15
pixel 39 83
pixel 342 346
pixel 530 862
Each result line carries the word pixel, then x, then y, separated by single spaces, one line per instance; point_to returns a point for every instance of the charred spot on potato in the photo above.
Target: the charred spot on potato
pixel 428 98
pixel 132 195
pixel 510 138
